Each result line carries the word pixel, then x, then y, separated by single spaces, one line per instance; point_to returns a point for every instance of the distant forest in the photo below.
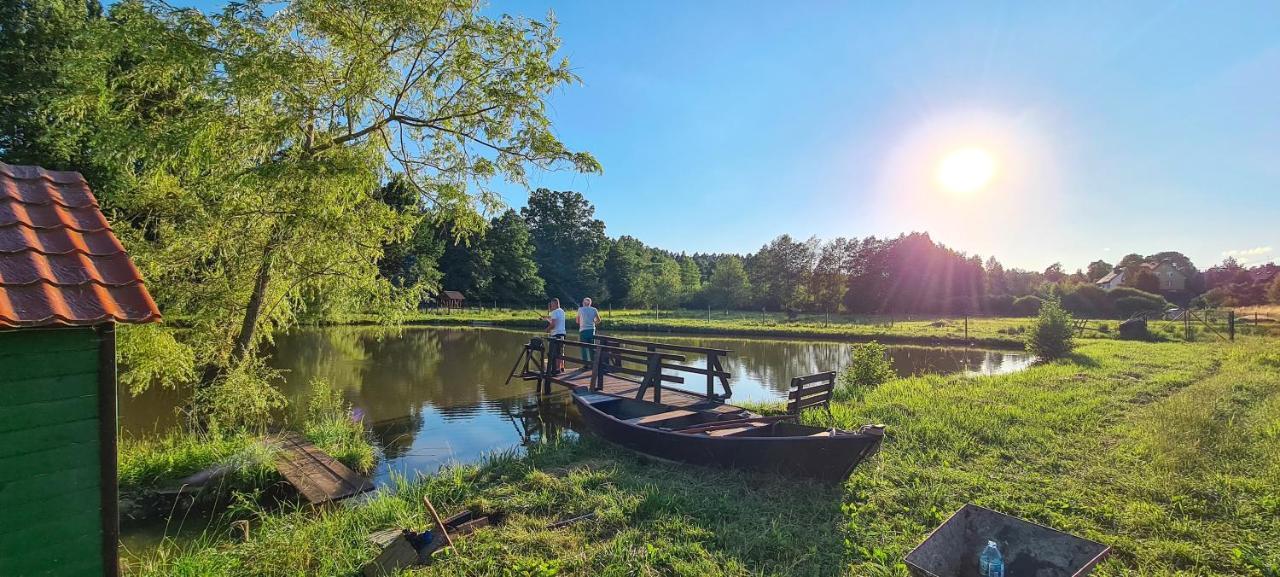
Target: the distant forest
pixel 555 246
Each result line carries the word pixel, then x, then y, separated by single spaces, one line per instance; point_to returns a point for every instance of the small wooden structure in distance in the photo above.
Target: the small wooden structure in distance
pixel 450 300
pixel 65 281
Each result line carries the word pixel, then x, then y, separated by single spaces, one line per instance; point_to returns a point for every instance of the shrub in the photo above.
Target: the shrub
pixel 1130 306
pixel 1027 306
pixel 1088 301
pixel 999 305
pixel 1050 338
pixel 335 428
pixel 869 367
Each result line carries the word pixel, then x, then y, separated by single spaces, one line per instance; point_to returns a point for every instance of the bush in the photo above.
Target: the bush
pixel 335 428
pixel 1050 338
pixel 1130 306
pixel 999 305
pixel 1088 301
pixel 869 367
pixel 1027 306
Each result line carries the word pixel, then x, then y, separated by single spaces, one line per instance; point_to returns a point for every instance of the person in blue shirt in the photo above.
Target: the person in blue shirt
pixel 588 320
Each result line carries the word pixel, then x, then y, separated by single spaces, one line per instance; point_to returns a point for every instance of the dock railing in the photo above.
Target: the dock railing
pixel 653 363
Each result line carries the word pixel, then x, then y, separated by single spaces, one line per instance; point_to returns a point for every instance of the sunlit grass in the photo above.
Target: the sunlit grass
pixel 1169 452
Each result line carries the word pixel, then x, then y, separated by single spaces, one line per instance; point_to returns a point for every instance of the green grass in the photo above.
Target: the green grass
pixel 1168 452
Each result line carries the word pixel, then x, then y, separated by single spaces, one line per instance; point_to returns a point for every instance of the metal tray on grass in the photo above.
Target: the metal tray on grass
pixel 1029 550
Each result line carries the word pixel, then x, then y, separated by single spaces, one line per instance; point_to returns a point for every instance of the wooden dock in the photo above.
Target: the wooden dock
pixel 612 384
pixel 629 368
pixel 317 476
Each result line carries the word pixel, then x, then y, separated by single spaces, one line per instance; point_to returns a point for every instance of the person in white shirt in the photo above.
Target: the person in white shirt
pixel 555 328
pixel 588 319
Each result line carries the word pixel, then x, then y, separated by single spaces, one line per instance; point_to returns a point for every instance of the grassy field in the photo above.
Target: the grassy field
pixel 1169 452
pixel 1005 332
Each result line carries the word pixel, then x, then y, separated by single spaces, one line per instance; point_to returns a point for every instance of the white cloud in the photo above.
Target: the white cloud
pixel 1255 251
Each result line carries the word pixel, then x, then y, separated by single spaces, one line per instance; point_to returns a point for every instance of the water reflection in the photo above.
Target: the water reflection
pixel 434 396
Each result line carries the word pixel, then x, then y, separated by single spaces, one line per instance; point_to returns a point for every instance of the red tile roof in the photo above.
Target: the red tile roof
pixel 60 264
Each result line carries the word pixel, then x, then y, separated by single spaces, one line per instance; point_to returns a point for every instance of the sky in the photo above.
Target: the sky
pixel 1112 127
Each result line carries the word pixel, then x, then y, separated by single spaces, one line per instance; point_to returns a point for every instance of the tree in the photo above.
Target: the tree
pixel 513 272
pixel 465 261
pixel 1098 269
pixel 667 287
pixel 780 269
pixel 830 277
pixel 34 37
pixel 995 280
pixel 690 279
pixel 1273 293
pixel 623 266
pixel 728 287
pixel 570 243
pixel 241 154
pixel 1146 281
pixel 1054 273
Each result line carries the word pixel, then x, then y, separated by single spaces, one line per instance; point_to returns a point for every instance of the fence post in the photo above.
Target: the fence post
pixel 966 327
pixel 1231 325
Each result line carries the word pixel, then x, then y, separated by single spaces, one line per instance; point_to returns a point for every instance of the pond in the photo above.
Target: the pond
pixel 433 396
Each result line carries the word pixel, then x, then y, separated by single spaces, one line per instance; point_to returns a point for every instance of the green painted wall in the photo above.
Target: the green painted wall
pixel 50 485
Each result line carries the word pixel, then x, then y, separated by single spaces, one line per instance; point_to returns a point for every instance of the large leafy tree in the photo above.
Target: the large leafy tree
pixel 35 37
pixel 240 154
pixel 728 287
pixel 624 264
pixel 570 243
pixel 513 272
pixel 780 271
pixel 1099 269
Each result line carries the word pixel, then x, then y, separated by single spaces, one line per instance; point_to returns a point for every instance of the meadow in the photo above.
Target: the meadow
pixel 1169 452
pixel 1004 332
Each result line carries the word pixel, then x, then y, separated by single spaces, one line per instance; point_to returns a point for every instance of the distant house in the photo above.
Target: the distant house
pixel 1171 279
pixel 1113 280
pixel 451 300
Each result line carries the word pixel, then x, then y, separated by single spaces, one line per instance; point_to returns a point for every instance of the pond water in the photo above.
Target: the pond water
pixel 432 396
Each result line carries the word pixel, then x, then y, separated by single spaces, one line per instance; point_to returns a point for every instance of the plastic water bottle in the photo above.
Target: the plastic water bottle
pixel 991 562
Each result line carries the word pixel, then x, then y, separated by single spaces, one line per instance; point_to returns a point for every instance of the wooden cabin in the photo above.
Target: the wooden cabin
pixel 65 281
pixel 450 300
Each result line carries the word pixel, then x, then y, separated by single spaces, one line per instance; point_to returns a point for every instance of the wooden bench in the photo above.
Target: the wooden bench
pixel 811 391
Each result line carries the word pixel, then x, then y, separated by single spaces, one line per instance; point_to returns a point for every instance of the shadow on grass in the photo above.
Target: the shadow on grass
pixel 724 522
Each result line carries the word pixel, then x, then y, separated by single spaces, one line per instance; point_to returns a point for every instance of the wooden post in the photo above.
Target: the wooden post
pixel 966 327
pixel 1231 325
pixel 711 379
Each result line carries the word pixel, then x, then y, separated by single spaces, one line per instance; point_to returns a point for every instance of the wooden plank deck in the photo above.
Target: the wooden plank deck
pixel 624 387
pixel 318 477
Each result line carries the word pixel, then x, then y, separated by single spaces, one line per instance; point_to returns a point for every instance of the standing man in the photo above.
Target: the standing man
pixel 588 318
pixel 555 328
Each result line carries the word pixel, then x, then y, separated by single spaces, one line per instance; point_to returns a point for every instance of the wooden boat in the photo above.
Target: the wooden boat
pixel 704 434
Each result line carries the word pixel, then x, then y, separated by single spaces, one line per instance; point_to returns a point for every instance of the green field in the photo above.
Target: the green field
pixel 982 331
pixel 1168 452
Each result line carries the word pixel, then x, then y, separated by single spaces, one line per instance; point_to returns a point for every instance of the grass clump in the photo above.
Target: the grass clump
pixel 161 461
pixel 335 428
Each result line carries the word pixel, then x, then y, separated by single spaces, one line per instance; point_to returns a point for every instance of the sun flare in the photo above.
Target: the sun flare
pixel 966 170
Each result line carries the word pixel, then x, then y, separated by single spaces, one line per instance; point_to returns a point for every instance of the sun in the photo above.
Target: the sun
pixel 966 170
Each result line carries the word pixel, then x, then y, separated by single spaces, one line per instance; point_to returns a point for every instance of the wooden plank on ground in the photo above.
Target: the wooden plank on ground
pixel 318 477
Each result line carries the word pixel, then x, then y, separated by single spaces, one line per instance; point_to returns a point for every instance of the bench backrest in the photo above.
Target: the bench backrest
pixel 811 391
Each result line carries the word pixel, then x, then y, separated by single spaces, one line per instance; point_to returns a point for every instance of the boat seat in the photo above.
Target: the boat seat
pixel 734 430
pixel 667 416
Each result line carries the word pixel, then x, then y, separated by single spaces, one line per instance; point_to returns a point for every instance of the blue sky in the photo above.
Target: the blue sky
pixel 1116 127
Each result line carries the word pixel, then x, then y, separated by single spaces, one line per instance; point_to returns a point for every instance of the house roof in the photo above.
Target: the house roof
pixel 60 264
pixel 454 296
pixel 1110 277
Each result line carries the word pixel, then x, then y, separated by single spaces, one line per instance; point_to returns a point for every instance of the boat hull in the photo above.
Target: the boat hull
pixel 827 458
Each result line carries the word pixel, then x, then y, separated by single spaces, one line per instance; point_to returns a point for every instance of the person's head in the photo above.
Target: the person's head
pixel 553 305
pixel 586 302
